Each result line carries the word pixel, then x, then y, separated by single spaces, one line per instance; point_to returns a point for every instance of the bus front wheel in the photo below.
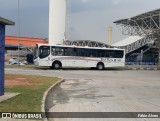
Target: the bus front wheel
pixel 56 65
pixel 100 66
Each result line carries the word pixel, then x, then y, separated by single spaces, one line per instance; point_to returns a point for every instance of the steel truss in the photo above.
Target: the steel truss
pixel 143 25
pixel 85 43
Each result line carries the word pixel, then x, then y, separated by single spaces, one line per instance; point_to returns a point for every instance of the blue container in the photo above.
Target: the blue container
pixel 30 58
pixel 2 53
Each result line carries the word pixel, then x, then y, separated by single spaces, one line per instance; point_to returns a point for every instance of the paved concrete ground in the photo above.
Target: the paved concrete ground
pixel 102 91
pixel 7 96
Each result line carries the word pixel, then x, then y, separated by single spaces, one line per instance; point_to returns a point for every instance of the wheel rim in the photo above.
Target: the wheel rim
pixel 56 66
pixel 100 66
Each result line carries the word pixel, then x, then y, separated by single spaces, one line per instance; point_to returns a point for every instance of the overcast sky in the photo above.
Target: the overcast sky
pixel 87 19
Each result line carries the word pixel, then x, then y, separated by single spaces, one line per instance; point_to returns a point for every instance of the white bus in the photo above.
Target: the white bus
pixel 58 56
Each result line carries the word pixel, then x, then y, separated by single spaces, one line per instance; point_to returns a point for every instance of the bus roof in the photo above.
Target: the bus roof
pixel 74 46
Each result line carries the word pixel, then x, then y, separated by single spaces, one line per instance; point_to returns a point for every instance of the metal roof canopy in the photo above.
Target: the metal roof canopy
pixel 144 24
pixel 6 21
pixel 127 41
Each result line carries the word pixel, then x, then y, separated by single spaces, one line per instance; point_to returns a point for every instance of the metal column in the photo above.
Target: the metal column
pixel 2 53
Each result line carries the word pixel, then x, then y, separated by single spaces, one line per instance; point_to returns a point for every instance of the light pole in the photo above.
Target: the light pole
pixel 19 27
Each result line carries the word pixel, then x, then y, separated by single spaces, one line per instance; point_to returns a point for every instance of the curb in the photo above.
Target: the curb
pixel 45 96
pixel 143 68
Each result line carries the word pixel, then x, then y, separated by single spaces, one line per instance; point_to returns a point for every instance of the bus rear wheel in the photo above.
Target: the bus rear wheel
pixel 100 66
pixel 56 65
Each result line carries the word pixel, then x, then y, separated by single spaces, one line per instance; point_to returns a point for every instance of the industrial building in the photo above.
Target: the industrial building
pixel 26 44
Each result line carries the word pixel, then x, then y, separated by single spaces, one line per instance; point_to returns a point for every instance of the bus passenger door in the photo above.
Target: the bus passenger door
pixel 44 55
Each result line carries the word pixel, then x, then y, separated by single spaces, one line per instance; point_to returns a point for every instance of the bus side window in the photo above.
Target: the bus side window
pixel 119 54
pixel 101 53
pixel 53 51
pixel 70 52
pixel 94 53
pixel 89 53
pixel 81 52
pixel 110 53
pixel 107 54
pixel 66 52
pixel 74 52
pixel 59 51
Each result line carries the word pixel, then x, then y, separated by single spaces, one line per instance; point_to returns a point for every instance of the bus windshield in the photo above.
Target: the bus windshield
pixel 44 51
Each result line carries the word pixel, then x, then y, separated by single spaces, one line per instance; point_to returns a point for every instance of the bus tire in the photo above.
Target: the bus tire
pixel 100 66
pixel 57 65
